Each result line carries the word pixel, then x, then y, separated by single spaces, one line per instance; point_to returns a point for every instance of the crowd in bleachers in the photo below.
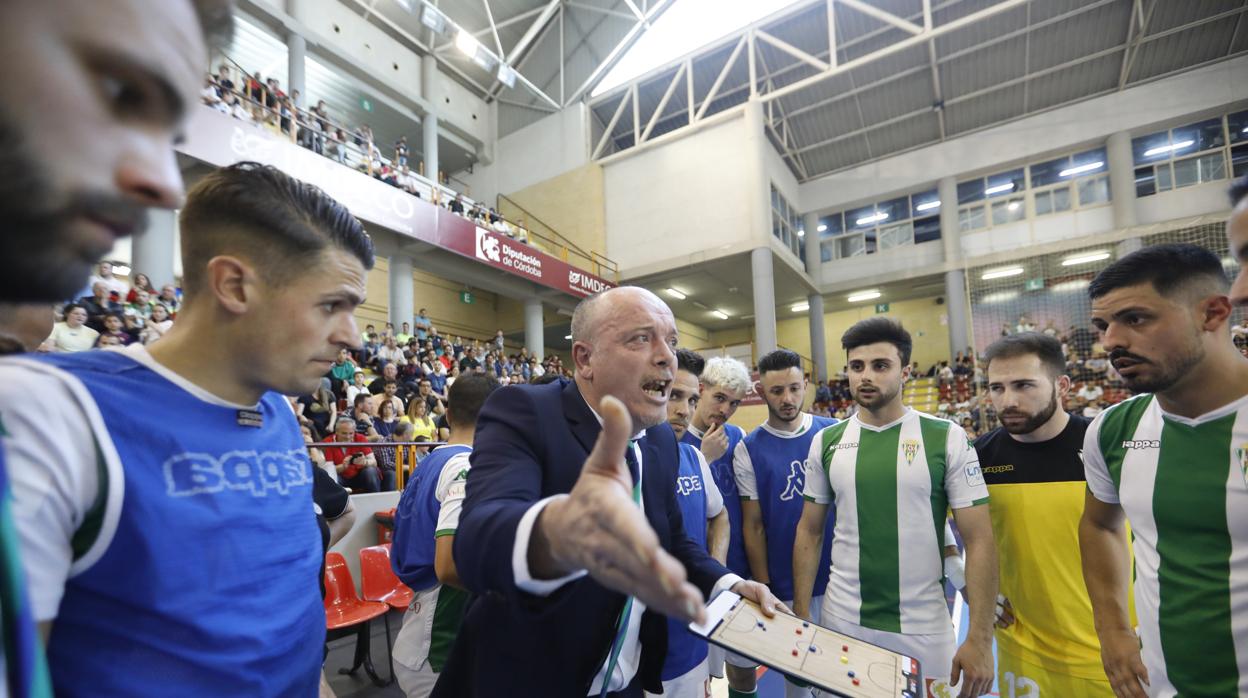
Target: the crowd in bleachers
pixel 263 103
pixel 113 314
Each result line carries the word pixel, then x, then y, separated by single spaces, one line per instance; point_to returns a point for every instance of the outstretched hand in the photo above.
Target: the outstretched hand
pixel 600 529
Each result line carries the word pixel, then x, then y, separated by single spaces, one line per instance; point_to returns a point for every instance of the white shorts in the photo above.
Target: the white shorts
pixel 695 683
pixel 934 652
pixel 415 683
pixel 411 648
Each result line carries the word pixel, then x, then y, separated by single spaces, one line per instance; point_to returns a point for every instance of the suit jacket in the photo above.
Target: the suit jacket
pixel 530 443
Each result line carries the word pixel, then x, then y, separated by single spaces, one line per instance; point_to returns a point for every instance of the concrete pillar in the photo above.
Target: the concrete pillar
pixel 764 300
pixel 950 236
pixel 1121 179
pixel 296 52
pixel 955 302
pixel 818 347
pixel 754 148
pixel 428 78
pixel 814 258
pixel 151 252
pixel 534 328
pixel 402 295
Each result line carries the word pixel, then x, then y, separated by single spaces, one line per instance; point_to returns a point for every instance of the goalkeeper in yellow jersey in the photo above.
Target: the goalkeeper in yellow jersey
pixel 1046 642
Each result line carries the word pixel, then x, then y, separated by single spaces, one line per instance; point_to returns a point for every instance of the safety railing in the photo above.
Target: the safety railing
pixel 405 456
pixel 545 236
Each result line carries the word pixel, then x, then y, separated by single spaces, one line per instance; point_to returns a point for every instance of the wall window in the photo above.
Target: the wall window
pixel 786 224
pixel 1078 180
pixel 884 225
pixel 996 197
pixel 1188 155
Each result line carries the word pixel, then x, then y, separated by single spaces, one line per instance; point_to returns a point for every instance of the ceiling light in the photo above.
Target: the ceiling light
pixel 720 314
pixel 875 218
pixel 999 189
pixel 568 337
pixel 1072 171
pixel 675 294
pixel 862 296
pixel 699 305
pixel 1068 286
pixel 467 43
pixel 927 206
pixel 1085 258
pixel 506 75
pixel 801 307
pixel 1167 148
pixel 999 297
pixel 430 17
pixel 1002 273
pixel 801 233
pixel 822 227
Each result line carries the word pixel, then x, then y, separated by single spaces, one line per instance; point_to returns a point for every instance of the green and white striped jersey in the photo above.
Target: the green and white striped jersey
pixel 892 487
pixel 1188 510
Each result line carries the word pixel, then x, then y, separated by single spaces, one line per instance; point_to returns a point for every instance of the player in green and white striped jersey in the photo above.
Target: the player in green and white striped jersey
pixel 893 473
pixel 1173 461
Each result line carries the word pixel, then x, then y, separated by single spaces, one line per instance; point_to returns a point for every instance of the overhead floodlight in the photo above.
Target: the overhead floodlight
pixel 927 206
pixel 676 294
pixel 1085 259
pixel 435 20
pixel 506 75
pixel 863 296
pixel 801 233
pixel 567 336
pixel 1072 171
pixel 467 43
pixel 822 227
pixel 874 218
pixel 1167 148
pixel 720 314
pixel 999 189
pixel 1002 273
pixel 801 307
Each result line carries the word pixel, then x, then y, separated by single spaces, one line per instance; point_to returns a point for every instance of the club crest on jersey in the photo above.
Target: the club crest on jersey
pixel 1242 451
pixel 910 449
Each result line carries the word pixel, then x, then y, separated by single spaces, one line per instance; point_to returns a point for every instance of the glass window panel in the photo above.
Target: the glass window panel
pixel 850 246
pixel 1145 181
pixel 1163 177
pixel 801 253
pixel 1237 124
pixel 1152 142
pixel 926 229
pixel 1089 158
pixel 1094 190
pixel 1212 167
pixel 970 191
pixel 825 251
pixel 1205 168
pixel 972 218
pixel 924 198
pixel 896 235
pixel 1203 136
pixel 1045 173
pixel 860 218
pixel 775 226
pixel 833 225
pixel 1044 203
pixel 1008 211
pixel 1006 183
pixel 1061 199
pixel 897 209
pixel 868 238
pixel 1239 160
pixel 775 199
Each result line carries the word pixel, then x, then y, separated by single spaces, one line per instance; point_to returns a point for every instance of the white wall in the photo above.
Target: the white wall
pixel 546 148
pixel 1135 110
pixel 1184 203
pixel 894 263
pixel 681 203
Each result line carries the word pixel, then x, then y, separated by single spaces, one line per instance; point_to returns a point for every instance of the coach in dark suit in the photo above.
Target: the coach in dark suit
pixel 571 570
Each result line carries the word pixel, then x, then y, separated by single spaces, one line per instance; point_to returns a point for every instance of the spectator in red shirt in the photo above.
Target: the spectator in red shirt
pixel 356 465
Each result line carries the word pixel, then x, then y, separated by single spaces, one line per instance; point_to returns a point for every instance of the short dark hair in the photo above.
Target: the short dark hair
pixel 779 360
pixel 70 307
pixel 691 361
pixel 879 329
pixel 1167 267
pixel 1239 190
pixel 1038 344
pixel 361 397
pixel 466 396
pixel 274 220
pixel 547 377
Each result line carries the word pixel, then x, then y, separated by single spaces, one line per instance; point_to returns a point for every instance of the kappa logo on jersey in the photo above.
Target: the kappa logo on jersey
pixel 796 483
pixel 688 484
pixel 910 449
pixel 189 474
pixel 724 478
pixel 1140 444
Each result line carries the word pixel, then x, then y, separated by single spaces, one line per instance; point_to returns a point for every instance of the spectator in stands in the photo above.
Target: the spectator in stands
pixel 945 375
pixel 139 303
pixel 1090 391
pixel 498 340
pixel 157 325
pixel 362 414
pixel 405 335
pixel 315 454
pixel 357 386
pixel 99 304
pixel 423 324
pixel 391 353
pixel 1093 408
pixel 113 325
pixel 418 416
pixel 343 370
pixel 141 284
pixel 400 152
pixel 434 403
pixel 320 408
pixel 72 334
pixel 457 204
pixel 356 465
pixel 391 373
pixel 169 297
pixel 469 362
pixel 223 78
pixel 389 394
pixel 239 110
pixel 104 275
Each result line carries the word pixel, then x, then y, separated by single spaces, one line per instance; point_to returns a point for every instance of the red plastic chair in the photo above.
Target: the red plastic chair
pixel 344 609
pixel 379 581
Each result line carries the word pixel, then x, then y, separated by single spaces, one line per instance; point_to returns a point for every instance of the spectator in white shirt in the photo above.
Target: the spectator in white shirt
pixel 72 334
pixel 392 353
pixel 112 283
pixel 1090 392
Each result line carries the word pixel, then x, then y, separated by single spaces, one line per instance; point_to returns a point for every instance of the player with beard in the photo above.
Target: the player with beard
pixel 95 100
pixel 769 464
pixel 892 474
pixel 1046 641
pixel 1172 461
